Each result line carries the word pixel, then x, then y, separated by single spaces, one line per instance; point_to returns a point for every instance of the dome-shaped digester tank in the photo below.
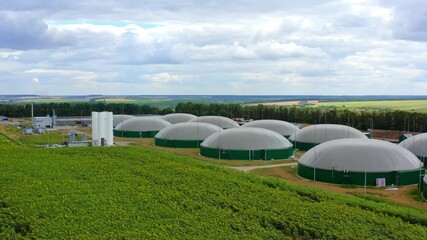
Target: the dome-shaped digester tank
pixel 140 127
pixel 283 128
pixel 220 121
pixel 178 117
pixel 246 144
pixel 118 118
pixel 352 160
pixel 185 135
pixel 417 145
pixel 313 135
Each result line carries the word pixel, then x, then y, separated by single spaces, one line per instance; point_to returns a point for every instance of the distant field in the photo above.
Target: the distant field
pixel 117 100
pixel 287 103
pixel 53 100
pixel 405 105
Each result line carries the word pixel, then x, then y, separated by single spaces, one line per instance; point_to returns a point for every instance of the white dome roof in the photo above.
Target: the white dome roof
pixel 188 131
pixel 217 120
pixel 246 139
pixel 281 127
pixel 178 117
pixel 325 132
pixel 143 124
pixel 416 144
pixel 120 118
pixel 360 155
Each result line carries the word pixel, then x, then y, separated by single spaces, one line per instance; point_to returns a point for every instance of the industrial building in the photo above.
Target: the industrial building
pixel 185 135
pixel 246 144
pixel 118 118
pixel 283 128
pixel 360 162
pixel 313 135
pixel 178 117
pixel 42 122
pixel 417 145
pixel 220 121
pixel 140 127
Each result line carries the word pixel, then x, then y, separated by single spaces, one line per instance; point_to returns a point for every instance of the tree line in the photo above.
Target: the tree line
pixel 360 119
pixel 78 109
pixel 389 120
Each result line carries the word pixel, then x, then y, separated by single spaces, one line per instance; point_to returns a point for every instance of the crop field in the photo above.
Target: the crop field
pixel 404 105
pixel 138 193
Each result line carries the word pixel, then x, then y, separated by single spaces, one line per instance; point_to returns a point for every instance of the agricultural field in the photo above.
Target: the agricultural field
pixel 404 105
pixel 140 193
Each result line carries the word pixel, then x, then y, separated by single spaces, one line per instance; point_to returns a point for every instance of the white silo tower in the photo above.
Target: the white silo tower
pixel 102 129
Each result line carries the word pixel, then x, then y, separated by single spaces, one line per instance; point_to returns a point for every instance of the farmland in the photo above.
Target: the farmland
pixel 404 105
pixel 134 192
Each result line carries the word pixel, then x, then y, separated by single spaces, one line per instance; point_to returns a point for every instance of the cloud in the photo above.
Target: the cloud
pixel 214 47
pixel 80 78
pixel 25 31
pixel 35 80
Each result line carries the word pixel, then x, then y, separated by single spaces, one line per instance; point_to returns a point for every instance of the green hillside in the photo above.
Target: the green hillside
pixel 136 193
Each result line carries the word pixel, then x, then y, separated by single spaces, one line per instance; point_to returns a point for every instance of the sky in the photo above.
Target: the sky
pixel 222 47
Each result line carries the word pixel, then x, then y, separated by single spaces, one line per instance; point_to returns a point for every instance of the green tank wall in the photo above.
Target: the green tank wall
pixel 246 154
pixel 177 143
pixel 423 160
pixel 133 134
pixel 303 145
pixel 400 178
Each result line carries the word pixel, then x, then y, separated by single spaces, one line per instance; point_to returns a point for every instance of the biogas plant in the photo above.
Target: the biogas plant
pixel 330 153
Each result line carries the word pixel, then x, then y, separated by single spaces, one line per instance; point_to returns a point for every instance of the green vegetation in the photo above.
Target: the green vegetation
pixel 360 119
pixel 137 193
pixel 49 137
pixel 404 105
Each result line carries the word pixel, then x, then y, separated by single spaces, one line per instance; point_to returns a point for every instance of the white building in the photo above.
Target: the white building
pixel 42 122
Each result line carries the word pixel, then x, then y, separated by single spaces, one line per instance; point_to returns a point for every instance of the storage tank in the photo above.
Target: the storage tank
pixel 95 129
pixel 417 145
pixel 283 128
pixel 118 118
pixel 178 117
pixel 246 144
pixel 220 121
pixel 185 135
pixel 140 127
pixel 313 135
pixel 356 160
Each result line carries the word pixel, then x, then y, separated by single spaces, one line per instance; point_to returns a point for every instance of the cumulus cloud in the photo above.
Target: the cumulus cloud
pixel 410 19
pixel 220 47
pixel 28 31
pixel 35 80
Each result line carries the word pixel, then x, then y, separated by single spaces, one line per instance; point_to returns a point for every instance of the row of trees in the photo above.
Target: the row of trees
pixel 389 120
pixel 392 120
pixel 78 109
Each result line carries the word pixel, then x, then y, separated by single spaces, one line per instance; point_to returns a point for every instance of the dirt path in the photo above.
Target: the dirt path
pixel 400 196
pixel 250 168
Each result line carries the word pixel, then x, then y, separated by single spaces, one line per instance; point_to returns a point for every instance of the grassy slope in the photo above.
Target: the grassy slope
pixel 129 192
